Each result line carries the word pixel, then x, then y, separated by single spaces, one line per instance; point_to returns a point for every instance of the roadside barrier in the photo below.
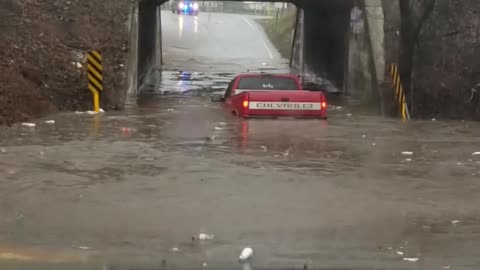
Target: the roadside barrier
pixel 95 77
pixel 399 94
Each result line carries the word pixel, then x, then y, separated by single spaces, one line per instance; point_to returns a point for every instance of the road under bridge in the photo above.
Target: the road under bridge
pixel 324 49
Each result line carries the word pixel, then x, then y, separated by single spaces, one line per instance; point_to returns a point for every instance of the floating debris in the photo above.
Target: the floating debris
pixel 20 218
pixel 174 249
pixel 204 236
pixel 400 252
pixel 170 109
pixel 125 131
pixel 408 160
pixel 264 148
pixel 455 222
pixel 411 259
pixel 476 154
pixel 204 264
pixel 426 227
pixel 246 254
pixel 218 128
pixel 407 153
pixel 28 124
pixel 91 112
pixel 3 150
pixel 50 122
pixel 83 248
pixel 210 138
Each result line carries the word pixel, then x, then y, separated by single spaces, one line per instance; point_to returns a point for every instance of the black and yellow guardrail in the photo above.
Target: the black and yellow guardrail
pixel 399 93
pixel 95 77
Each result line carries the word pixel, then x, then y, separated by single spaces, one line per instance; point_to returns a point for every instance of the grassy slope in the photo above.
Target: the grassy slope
pixel 280 32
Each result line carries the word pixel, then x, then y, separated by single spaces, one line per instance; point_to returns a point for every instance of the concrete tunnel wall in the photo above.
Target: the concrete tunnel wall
pixel 326 39
pixel 149 39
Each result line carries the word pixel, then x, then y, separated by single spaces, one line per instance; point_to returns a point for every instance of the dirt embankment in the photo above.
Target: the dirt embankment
pixel 41 44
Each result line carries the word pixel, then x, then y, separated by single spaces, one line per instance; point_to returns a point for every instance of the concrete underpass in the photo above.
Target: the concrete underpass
pixel 324 50
pixel 174 182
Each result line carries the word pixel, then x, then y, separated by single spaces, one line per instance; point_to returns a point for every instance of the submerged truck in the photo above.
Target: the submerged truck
pixel 272 95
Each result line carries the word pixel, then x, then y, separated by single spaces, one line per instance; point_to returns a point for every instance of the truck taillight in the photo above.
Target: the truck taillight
pixel 246 101
pixel 245 104
pixel 324 105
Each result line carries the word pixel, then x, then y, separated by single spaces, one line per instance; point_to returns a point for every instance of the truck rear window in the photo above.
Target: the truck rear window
pixel 267 83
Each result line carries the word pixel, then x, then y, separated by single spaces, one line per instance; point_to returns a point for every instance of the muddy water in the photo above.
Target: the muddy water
pixel 129 190
pixel 125 189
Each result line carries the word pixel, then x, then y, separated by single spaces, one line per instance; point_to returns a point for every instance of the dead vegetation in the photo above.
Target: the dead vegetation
pixel 42 42
pixel 436 43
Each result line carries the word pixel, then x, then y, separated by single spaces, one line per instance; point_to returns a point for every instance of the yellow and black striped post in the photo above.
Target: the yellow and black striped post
pixel 95 77
pixel 399 94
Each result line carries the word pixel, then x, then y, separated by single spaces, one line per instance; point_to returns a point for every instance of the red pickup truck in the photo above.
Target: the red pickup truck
pixel 272 95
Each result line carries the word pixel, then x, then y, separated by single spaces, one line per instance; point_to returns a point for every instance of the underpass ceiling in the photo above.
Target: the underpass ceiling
pixel 291 1
pixel 302 3
pixel 320 3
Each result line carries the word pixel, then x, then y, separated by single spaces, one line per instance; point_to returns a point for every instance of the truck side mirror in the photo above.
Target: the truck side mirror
pixel 218 98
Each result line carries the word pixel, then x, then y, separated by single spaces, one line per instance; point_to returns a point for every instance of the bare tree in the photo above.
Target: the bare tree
pixel 414 14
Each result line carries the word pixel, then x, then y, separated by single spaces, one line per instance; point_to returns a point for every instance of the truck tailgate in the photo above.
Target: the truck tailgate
pixel 287 103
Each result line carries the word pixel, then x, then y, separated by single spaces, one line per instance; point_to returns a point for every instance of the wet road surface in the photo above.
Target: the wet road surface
pixel 216 42
pixel 129 190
